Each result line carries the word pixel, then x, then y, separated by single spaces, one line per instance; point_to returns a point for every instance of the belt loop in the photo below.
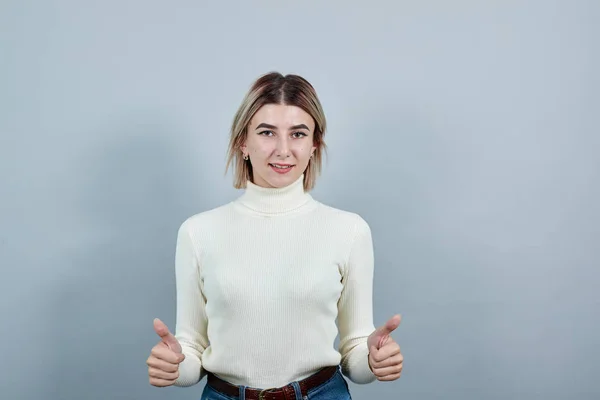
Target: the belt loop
pixel 297 390
pixel 242 392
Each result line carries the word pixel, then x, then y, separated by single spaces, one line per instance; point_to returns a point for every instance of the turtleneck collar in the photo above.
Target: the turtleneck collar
pixel 274 201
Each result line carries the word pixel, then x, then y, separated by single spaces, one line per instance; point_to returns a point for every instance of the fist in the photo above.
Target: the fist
pixel 165 357
pixel 385 358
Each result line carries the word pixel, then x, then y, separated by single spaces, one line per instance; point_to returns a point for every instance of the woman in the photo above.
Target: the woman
pixel 262 280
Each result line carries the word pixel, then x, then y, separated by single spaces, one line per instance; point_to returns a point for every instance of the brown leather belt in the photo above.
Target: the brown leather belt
pixel 281 393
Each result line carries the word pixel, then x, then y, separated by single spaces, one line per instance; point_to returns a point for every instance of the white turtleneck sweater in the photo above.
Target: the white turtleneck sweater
pixel 260 283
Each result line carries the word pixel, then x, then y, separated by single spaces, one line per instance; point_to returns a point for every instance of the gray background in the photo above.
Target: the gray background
pixel 464 132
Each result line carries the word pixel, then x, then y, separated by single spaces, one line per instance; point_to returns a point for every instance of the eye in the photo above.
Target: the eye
pixel 298 135
pixel 266 133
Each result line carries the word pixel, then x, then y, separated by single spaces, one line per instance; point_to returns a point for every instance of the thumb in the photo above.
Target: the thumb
pixel 391 325
pixel 379 337
pixel 166 336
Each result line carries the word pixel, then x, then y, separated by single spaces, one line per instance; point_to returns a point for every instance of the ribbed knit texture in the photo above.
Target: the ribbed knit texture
pixel 260 283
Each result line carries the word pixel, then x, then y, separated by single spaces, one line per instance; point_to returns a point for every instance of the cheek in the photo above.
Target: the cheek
pixel 259 149
pixel 304 153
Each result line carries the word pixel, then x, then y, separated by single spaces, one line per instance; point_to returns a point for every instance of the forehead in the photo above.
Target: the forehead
pixel 282 115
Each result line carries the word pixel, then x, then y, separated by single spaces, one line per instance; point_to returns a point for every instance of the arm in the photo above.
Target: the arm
pixel 191 322
pixel 355 307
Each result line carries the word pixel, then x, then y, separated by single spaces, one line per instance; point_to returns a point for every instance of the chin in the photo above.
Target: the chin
pixel 281 181
pixel 276 180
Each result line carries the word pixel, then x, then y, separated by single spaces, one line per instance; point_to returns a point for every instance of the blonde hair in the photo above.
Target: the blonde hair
pixel 275 88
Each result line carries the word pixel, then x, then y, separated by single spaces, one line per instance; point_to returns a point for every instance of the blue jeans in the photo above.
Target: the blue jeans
pixel 336 388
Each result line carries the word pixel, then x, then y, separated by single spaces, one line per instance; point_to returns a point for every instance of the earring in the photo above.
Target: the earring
pixel 246 157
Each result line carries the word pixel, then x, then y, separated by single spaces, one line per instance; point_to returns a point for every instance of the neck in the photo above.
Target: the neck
pixel 275 201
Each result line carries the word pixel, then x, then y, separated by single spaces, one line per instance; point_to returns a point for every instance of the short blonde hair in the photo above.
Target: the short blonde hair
pixel 275 88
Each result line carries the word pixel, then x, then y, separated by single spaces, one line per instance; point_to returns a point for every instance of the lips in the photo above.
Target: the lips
pixel 281 168
pixel 281 165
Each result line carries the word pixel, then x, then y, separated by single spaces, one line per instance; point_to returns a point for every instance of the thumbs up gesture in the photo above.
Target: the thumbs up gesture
pixel 165 357
pixel 385 359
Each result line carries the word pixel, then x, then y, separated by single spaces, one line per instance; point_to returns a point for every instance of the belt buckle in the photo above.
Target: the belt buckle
pixel 261 395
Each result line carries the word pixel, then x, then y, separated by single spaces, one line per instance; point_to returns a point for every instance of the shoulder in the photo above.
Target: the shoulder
pixel 204 220
pixel 347 220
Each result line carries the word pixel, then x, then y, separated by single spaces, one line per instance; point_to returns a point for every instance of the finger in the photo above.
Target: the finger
pixel 386 357
pixel 160 374
pixel 389 377
pixel 166 336
pixel 379 355
pixel 391 361
pixel 387 351
pixel 391 370
pixel 391 325
pixel 161 382
pixel 162 352
pixel 161 364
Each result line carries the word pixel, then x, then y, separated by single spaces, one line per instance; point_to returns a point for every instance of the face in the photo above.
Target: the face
pixel 279 144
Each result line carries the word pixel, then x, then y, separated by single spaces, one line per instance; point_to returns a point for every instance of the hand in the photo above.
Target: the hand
pixel 165 357
pixel 385 359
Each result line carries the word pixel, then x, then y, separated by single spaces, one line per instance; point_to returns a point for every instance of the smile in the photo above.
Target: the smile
pixel 281 168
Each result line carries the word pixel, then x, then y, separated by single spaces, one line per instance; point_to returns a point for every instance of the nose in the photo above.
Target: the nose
pixel 283 147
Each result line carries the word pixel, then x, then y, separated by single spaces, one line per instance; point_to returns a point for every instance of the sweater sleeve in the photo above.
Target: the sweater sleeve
pixel 355 307
pixel 191 321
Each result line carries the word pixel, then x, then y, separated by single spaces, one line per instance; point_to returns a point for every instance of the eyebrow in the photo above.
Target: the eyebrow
pixel 269 126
